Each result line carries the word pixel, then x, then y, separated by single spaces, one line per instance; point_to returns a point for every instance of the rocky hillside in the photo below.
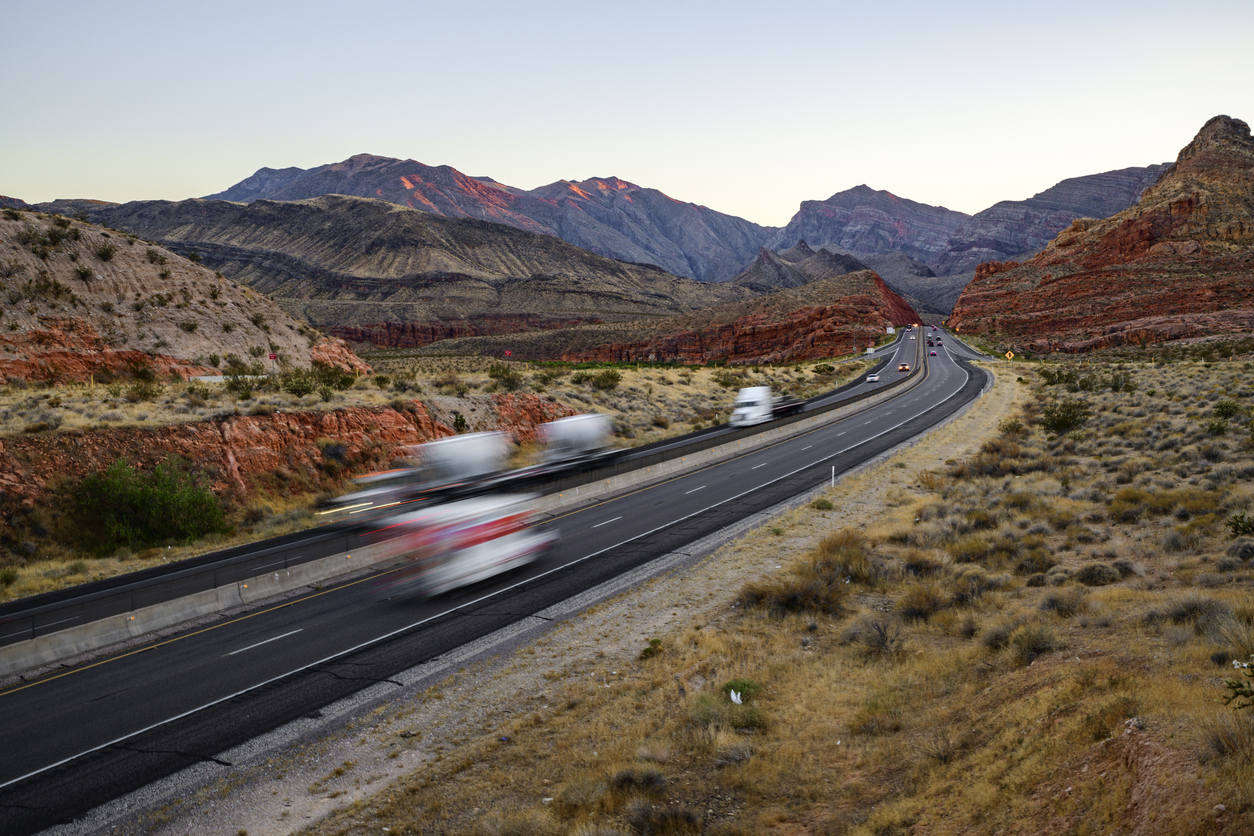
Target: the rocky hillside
pixel 80 299
pixel 1012 228
pixel 370 270
pixel 823 318
pixel 1176 265
pixel 608 216
pixel 863 221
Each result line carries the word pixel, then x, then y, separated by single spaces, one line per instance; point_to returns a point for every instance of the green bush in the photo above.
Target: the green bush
pixel 124 507
pixel 8 576
pixel 505 376
pixel 1227 408
pixel 299 383
pixel 1240 525
pixel 607 379
pixel 106 251
pixel 1065 415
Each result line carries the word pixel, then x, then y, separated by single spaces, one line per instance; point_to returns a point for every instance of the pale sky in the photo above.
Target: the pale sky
pixel 748 108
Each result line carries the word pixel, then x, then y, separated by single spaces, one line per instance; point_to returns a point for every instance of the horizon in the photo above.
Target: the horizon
pixel 707 103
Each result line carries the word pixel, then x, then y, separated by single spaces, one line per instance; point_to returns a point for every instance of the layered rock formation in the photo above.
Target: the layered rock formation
pixel 368 268
pixel 1013 228
pixel 241 455
pixel 862 222
pixel 1176 265
pixel 608 216
pixel 80 300
pixel 823 318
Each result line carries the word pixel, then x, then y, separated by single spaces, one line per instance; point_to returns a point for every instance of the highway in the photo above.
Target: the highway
pixel 82 736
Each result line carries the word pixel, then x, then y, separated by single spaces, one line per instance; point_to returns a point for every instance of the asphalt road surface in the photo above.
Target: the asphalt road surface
pixel 83 736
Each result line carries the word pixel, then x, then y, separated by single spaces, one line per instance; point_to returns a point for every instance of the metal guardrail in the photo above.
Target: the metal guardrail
pixel 52 612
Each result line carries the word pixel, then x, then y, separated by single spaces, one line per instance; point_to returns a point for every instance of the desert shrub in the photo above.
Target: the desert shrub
pixel 1226 408
pixel 1038 561
pixel 920 602
pixel 189 326
pixel 1215 427
pixel 8 576
pixel 647 781
pixel 155 256
pixel 142 390
pixel 969 550
pixel 299 383
pixel 970 582
pixel 606 379
pixel 1034 639
pixel 1191 607
pixel 1065 415
pixel 727 379
pixel 1230 735
pixel 794 592
pixel 327 375
pixel 920 564
pixel 125 507
pixel 1067 603
pixel 1096 574
pixel 648 820
pixel 105 251
pixel 1241 526
pixel 1124 567
pixel 506 377
pixel 878 635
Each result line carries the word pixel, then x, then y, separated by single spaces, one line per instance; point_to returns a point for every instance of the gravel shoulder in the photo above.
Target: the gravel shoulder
pixel 295 776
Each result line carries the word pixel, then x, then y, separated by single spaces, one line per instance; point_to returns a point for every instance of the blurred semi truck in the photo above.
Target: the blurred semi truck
pixel 757 404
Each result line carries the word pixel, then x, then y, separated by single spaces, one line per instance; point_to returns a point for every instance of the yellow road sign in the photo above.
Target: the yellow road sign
pixel 1010 355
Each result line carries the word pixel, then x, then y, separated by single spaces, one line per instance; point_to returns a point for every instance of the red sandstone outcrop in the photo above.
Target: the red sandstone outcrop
pixel 335 352
pixel 774 334
pixel 1176 265
pixel 289 451
pixel 68 349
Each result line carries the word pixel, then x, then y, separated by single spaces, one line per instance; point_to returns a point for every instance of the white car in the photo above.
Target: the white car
pixel 873 378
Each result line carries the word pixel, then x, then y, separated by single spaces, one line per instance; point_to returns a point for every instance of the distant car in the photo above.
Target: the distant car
pixel 933 353
pixel 933 327
pixel 873 378
pixel 912 336
pixel 904 367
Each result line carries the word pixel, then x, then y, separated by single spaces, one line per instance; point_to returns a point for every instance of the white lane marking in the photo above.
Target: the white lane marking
pixel 807 447
pixel 607 522
pixel 267 641
pixel 839 434
pixel 756 466
pixel 420 622
pixel 694 490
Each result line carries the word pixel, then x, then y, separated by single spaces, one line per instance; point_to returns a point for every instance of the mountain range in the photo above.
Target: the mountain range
pixel 370 270
pixel 621 220
pixel 1176 265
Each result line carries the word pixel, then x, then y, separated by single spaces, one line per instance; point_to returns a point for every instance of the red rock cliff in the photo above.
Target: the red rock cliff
pixel 1176 265
pixel 243 454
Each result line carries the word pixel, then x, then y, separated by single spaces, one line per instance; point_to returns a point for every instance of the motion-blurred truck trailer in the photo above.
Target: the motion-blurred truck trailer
pixel 757 404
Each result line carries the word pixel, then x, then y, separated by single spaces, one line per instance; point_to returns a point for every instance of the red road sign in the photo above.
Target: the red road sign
pixel 274 357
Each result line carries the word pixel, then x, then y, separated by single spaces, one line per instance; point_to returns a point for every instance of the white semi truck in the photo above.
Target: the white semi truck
pixel 757 404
